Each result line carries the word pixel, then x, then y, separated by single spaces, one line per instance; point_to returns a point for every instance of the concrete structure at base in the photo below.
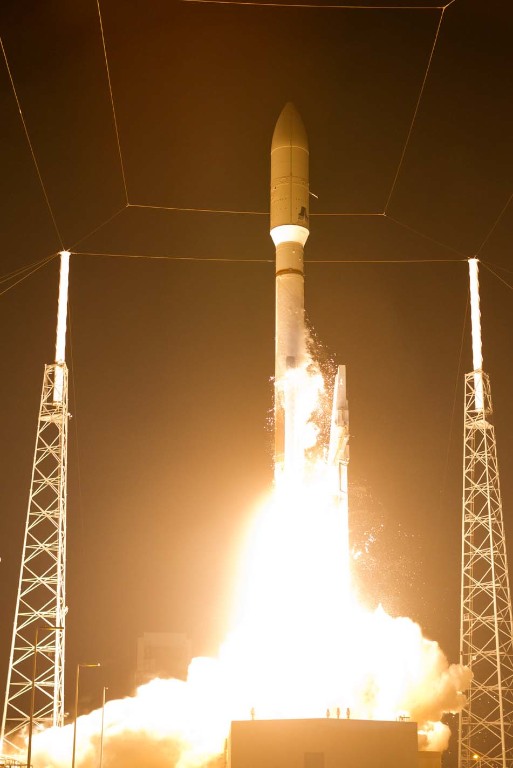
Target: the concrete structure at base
pixel 326 743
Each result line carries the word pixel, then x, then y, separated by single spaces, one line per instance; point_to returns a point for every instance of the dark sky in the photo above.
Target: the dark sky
pixel 171 361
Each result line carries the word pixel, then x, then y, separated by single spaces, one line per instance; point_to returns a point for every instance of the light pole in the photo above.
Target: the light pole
pixel 33 688
pixel 79 666
pixel 105 688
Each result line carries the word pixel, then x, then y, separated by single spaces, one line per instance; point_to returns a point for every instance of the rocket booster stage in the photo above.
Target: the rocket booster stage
pixel 289 231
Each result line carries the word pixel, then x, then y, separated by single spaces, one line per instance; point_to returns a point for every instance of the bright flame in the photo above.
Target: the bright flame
pixel 302 646
pixel 299 390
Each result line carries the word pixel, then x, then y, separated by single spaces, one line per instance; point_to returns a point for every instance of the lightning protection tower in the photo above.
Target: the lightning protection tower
pixel 35 680
pixel 486 722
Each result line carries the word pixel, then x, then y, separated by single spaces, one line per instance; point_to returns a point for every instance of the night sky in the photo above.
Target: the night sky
pixel 171 360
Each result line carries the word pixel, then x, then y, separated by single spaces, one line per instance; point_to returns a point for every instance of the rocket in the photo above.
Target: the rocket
pixel 289 231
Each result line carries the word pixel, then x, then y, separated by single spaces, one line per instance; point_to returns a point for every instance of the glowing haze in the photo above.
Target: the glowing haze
pixel 301 647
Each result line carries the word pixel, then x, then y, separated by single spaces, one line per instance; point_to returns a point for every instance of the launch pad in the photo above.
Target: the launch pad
pixel 326 743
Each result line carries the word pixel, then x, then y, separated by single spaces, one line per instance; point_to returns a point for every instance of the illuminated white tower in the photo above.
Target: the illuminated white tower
pixel 36 666
pixel 486 646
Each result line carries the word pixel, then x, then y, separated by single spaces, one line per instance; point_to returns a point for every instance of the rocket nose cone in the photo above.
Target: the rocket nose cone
pixel 289 130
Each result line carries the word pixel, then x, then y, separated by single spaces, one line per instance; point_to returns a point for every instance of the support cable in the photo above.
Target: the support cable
pixel 197 210
pixel 264 261
pixel 323 7
pixel 42 263
pixel 31 147
pixel 239 212
pixel 417 105
pixel 384 261
pixel 100 226
pixel 169 258
pixel 502 269
pixel 426 237
pixel 16 272
pixel 441 8
pixel 488 267
pixel 499 217
pixel 318 215
pixel 112 102
pixel 31 268
pixel 378 213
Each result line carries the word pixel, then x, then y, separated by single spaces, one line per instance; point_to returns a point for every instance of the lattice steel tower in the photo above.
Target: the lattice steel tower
pixel 36 666
pixel 486 646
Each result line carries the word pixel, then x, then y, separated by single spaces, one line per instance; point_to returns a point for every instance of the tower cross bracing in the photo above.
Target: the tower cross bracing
pixel 41 597
pixel 34 695
pixel 486 625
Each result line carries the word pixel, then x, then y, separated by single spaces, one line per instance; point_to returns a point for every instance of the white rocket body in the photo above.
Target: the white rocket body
pixel 289 231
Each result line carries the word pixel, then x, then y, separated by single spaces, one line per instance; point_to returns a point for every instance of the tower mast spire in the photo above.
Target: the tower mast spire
pixel 486 645
pixel 62 317
pixel 35 679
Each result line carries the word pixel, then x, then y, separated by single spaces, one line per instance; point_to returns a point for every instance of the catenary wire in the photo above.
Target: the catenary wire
pixel 239 212
pixel 230 211
pixel 207 210
pixel 264 261
pixel 31 272
pixel 31 147
pixel 417 105
pixel 384 261
pixel 10 275
pixel 489 268
pixel 426 237
pixel 169 258
pixel 499 217
pixel 335 214
pixel 264 213
pixel 322 6
pixel 502 269
pixel 317 215
pixel 112 102
pixel 197 210
pixel 93 231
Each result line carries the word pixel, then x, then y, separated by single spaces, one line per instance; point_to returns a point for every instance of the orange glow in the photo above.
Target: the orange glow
pixel 301 644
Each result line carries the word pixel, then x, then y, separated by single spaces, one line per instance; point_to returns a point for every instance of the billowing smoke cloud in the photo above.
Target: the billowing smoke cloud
pixel 302 645
pixel 390 670
pixel 167 723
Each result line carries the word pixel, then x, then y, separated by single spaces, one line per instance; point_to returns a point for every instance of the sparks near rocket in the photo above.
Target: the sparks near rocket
pixel 289 231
